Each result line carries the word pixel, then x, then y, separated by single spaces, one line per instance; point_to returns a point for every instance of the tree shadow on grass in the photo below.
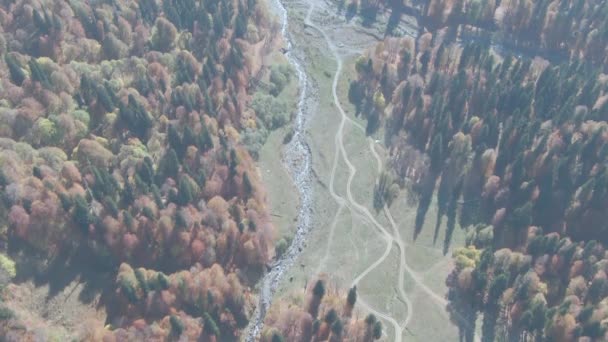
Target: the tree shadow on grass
pixel 351 11
pixel 67 267
pixel 393 20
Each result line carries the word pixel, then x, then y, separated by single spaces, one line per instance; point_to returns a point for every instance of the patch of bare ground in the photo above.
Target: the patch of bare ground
pixel 58 298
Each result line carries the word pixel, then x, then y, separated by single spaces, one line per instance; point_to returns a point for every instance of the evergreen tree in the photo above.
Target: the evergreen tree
pixel 240 23
pixel 337 327
pixel 319 289
pixel 451 213
pixel 436 153
pixel 148 10
pixel 276 337
pixel 185 191
pixel 175 141
pixel 17 75
pixel 210 325
pixel 377 330
pixel 189 137
pixel 426 194
pixel 105 99
pixel 127 195
pixel 205 143
pixel 142 282
pixel 234 162
pixel 135 117
pixel 148 213
pixel 247 186
pixel 129 291
pixel 424 61
pixel 352 296
pixel 331 316
pixel 168 167
pixel 66 201
pixel 157 197
pixel 180 221
pixel 497 287
pixel 37 74
pixel 111 206
pixel 177 326
pixel 144 171
pixel 127 219
pixel 81 214
pixel 163 281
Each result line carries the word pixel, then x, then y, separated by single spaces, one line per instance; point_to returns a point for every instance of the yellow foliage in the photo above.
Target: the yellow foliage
pixel 379 101
pixel 466 257
pixel 473 120
pixel 102 141
pixel 8 265
pixel 361 63
pixel 250 123
pixel 232 133
pixel 46 63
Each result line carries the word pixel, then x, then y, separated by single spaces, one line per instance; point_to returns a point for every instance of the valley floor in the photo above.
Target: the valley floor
pixel 400 281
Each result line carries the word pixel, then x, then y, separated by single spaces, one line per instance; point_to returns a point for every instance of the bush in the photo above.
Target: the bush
pixel 254 139
pixel 279 78
pixel 46 131
pixel 6 313
pixel 281 247
pixel 82 116
pixel 288 137
pixel 272 112
pixel 8 265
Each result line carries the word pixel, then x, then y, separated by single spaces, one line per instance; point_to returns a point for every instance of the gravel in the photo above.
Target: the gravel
pixel 298 161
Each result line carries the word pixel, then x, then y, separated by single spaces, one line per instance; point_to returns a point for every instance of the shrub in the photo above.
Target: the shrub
pixel 272 111
pixel 281 247
pixel 8 265
pixel 6 313
pixel 279 78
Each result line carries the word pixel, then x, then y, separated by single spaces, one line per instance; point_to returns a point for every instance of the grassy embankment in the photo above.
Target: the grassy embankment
pixel 354 243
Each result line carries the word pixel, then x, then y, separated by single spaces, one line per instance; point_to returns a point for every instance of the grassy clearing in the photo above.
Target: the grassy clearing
pixel 422 255
pixel 355 244
pixel 282 195
pixel 430 323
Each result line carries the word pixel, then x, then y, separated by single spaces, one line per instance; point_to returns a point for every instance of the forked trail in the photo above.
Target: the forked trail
pixel 350 202
pixel 391 238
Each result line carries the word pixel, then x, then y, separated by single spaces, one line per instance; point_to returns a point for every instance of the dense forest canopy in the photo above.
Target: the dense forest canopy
pixel 120 143
pixel 556 29
pixel 515 150
pixel 129 129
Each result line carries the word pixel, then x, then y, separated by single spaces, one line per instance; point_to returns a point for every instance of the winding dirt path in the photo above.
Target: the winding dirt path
pixel 301 173
pixel 340 150
pixel 395 237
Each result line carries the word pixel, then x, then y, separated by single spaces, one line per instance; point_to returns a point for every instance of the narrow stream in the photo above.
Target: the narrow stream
pixel 297 160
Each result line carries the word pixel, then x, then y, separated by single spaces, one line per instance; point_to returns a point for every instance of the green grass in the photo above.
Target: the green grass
pixel 356 244
pixel 282 195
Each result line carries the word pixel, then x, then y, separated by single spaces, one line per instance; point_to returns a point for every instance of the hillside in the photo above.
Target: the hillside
pixel 121 128
pixel 517 154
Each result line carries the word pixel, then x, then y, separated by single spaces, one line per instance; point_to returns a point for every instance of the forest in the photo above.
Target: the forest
pixel 571 28
pixel 515 150
pixel 556 29
pixel 120 146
